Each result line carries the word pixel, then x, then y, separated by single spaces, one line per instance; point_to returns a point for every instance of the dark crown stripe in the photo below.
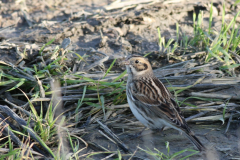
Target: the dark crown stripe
pixel 133 55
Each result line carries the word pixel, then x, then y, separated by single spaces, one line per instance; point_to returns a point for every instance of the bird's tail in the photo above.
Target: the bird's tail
pixel 195 141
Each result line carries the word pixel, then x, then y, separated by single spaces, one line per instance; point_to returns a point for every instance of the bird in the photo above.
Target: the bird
pixel 151 102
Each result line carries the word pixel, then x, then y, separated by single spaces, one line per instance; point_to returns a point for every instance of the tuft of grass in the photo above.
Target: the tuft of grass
pixel 219 45
pixel 158 155
pixel 164 47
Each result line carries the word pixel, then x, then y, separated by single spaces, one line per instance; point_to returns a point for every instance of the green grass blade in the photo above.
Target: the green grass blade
pixel 40 141
pixel 230 24
pixel 48 43
pixel 182 151
pixel 93 104
pixel 160 38
pixel 194 152
pixel 18 85
pixel 198 81
pixel 103 107
pixel 119 155
pixel 80 57
pixel 11 153
pixel 214 55
pixel 80 103
pixel 3 83
pixel 109 68
pixel 230 66
pixel 236 2
pixel 120 76
pixel 210 22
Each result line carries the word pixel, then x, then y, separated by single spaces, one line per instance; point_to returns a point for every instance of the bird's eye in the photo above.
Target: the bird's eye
pixel 136 61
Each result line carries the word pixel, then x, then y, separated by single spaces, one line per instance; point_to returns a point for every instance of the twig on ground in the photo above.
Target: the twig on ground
pixel 214 95
pixel 8 132
pixel 195 116
pixel 114 137
pixel 229 121
pixel 111 155
pixel 99 62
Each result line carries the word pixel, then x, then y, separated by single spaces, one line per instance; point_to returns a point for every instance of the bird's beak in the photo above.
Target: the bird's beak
pixel 126 62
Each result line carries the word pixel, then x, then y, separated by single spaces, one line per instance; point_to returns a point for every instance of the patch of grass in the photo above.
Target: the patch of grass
pixel 164 46
pixel 219 45
pixel 45 121
pixel 158 155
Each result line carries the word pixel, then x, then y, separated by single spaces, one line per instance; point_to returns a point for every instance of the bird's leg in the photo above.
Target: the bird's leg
pixel 160 130
pixel 136 135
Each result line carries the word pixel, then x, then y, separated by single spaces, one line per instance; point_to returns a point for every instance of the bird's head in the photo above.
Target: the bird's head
pixel 138 66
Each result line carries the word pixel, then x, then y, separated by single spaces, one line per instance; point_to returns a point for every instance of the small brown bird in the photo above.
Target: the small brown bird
pixel 151 102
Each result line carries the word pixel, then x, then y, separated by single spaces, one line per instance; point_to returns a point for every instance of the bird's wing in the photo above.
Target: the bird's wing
pixel 156 97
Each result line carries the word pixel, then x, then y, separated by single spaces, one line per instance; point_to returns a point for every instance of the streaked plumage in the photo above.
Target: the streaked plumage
pixel 151 102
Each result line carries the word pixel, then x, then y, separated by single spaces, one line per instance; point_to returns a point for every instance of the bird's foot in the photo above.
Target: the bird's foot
pixel 136 135
pixel 160 131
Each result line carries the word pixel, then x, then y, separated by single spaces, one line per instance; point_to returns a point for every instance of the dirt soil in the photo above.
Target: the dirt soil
pixel 118 32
